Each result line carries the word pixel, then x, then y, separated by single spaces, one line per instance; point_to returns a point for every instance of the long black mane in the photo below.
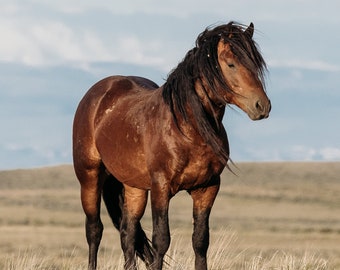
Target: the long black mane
pixel 201 64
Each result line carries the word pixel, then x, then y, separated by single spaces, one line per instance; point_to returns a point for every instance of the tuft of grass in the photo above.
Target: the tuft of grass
pixel 284 261
pixel 26 260
pixel 34 260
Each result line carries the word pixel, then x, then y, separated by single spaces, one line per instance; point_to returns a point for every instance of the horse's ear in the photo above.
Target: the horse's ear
pixel 250 30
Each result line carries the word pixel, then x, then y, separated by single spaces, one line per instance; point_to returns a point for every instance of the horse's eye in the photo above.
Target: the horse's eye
pixel 231 65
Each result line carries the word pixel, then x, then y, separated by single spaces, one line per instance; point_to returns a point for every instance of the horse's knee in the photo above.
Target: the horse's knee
pixel 128 233
pixel 128 241
pixel 94 230
pixel 200 240
pixel 200 243
pixel 161 242
pixel 200 236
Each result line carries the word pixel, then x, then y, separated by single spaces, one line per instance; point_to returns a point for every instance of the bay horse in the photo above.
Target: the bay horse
pixel 132 137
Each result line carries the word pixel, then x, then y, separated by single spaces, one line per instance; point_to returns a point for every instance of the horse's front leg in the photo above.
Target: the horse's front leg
pixel 203 200
pixel 160 197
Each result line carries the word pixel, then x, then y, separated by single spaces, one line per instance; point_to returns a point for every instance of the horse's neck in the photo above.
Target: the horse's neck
pixel 215 111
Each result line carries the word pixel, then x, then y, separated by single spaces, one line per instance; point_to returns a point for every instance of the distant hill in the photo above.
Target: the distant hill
pixel 272 208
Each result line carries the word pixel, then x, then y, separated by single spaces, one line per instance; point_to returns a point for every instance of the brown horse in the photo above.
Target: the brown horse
pixel 131 137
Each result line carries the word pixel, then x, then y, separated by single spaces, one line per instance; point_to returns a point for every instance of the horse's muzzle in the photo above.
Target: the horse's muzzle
pixel 261 110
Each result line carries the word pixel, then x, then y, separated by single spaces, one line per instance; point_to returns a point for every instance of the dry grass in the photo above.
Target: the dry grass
pixel 222 257
pixel 278 215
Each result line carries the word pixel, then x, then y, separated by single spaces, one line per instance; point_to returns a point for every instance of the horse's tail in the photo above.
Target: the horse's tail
pixel 113 195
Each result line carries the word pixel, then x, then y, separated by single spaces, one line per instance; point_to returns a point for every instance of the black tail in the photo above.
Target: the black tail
pixel 113 195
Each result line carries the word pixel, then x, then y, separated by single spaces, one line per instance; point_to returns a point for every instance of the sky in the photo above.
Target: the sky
pixel 52 52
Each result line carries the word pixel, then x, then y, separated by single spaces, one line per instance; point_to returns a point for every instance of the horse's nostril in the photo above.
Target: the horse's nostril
pixel 259 106
pixel 262 109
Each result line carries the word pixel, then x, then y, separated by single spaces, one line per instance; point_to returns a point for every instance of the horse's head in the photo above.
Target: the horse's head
pixel 242 67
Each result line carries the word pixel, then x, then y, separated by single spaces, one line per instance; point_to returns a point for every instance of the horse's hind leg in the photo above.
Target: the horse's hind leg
pixel 130 230
pixel 91 185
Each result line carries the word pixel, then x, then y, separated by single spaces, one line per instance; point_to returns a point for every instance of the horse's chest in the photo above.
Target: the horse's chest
pixel 199 170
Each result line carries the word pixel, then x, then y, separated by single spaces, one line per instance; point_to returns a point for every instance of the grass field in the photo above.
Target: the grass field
pixel 269 216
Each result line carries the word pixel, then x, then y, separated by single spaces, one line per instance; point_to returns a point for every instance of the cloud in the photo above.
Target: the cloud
pixel 33 38
pixel 243 9
pixel 286 153
pixel 50 43
pixel 304 64
pixel 308 153
pixel 301 152
pixel 330 153
pixel 25 156
pixel 38 33
pixel 133 50
pixel 175 8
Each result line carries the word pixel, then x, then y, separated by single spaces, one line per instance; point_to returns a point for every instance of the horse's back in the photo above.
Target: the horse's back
pixel 110 88
pixel 90 110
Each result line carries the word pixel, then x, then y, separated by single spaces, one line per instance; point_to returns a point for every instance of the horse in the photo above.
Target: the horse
pixel 132 137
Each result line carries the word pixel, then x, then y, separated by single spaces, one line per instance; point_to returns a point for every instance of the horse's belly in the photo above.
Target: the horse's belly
pixel 128 170
pixel 130 176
